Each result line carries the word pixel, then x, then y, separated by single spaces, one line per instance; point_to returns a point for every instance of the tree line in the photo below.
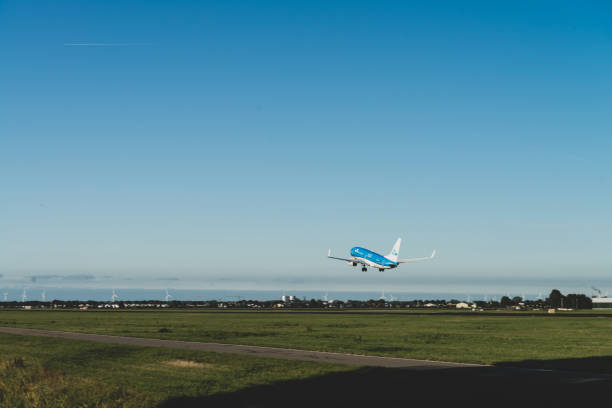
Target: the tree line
pixel 555 300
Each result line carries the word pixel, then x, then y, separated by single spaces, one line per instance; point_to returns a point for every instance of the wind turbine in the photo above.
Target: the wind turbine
pixel 5 296
pixel 599 292
pixel 382 296
pixel 114 296
pixel 168 296
pixel 43 296
pixel 23 296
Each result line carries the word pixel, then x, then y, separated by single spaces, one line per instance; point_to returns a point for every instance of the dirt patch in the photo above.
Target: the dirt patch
pixel 187 364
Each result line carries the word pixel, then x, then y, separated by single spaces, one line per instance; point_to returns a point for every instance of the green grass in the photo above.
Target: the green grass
pixel 46 372
pixel 463 337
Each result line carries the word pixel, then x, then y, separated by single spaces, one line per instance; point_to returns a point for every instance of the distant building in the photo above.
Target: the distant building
pixel 462 305
pixel 602 303
pixel 288 299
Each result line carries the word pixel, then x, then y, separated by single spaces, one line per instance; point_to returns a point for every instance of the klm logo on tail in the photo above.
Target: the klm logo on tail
pixel 394 251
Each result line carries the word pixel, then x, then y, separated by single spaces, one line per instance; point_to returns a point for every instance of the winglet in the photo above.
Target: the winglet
pixel 433 254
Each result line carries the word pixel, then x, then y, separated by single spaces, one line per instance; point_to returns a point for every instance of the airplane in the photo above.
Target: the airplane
pixel 366 258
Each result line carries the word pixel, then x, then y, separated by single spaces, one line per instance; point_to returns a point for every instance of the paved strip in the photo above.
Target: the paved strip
pixel 258 351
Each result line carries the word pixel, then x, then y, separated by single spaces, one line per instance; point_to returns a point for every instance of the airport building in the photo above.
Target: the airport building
pixel 602 303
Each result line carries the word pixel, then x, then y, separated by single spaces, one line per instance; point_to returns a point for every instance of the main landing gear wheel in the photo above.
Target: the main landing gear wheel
pixel 381 270
pixel 364 269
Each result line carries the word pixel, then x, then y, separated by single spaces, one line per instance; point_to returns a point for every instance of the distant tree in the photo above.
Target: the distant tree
pixel 516 300
pixel 506 301
pixel 315 303
pixel 555 299
pixel 578 301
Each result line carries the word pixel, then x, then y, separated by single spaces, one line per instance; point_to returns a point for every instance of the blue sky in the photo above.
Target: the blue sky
pixel 235 142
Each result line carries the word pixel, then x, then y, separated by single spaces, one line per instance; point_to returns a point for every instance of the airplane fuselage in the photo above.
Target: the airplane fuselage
pixel 371 258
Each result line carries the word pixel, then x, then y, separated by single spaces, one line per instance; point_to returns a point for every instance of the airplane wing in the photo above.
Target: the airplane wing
pixel 407 260
pixel 343 259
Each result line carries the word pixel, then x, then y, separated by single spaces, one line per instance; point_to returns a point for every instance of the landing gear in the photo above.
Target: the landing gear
pixel 364 269
pixel 381 270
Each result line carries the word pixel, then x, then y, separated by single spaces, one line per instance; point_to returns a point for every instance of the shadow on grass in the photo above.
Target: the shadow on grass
pixel 369 386
pixel 598 364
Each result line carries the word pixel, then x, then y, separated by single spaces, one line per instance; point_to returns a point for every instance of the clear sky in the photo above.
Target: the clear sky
pixel 237 141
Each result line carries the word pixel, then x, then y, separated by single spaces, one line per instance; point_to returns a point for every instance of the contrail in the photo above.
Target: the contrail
pixel 93 44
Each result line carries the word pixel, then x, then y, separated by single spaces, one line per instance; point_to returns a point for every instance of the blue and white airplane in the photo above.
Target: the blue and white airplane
pixel 366 258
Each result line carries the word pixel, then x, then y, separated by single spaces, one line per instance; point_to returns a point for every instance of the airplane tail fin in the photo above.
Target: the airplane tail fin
pixel 394 254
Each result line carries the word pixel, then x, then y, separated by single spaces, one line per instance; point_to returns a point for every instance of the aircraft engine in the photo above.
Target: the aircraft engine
pixel 353 263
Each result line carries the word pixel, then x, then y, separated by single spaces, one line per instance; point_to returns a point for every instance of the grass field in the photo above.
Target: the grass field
pixel 44 372
pixel 548 341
